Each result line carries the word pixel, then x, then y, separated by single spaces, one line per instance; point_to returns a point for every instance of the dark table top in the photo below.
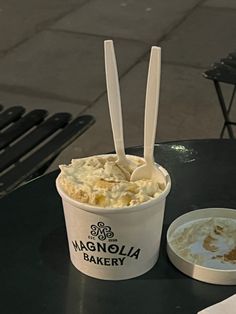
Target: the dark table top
pixel 36 273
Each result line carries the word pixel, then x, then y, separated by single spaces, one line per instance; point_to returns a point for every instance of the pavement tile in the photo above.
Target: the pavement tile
pixel 20 19
pixel 230 4
pixel 189 109
pixel 145 20
pixel 8 99
pixel 66 66
pixel 98 139
pixel 189 105
pixel 206 35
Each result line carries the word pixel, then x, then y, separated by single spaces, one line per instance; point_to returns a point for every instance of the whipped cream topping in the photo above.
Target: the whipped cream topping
pixel 103 182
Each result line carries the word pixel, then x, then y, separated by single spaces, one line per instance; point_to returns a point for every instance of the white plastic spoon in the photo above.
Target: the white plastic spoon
pixel 149 169
pixel 113 92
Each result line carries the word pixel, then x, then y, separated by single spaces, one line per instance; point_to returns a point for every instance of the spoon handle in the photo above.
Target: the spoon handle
pixel 152 103
pixel 114 101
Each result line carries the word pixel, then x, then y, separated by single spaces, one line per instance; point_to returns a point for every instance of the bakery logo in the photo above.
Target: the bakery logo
pixel 104 253
pixel 101 231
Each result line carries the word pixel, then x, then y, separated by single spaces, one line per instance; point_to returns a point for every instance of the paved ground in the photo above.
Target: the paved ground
pixel 51 56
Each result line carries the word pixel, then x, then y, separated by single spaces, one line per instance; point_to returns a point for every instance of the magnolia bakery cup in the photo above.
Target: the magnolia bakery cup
pixel 114 243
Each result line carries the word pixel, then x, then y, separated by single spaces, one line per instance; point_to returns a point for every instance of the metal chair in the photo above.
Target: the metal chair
pixel 224 71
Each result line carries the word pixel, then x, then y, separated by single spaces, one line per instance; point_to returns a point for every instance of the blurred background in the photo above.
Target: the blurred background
pixel 51 56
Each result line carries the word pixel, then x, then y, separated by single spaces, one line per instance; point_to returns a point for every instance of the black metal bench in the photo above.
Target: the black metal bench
pixel 224 71
pixel 30 141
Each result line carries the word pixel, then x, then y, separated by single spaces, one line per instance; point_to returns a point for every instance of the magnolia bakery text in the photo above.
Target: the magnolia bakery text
pixel 121 252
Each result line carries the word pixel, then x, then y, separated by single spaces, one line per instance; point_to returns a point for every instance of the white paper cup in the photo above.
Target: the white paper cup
pixel 114 243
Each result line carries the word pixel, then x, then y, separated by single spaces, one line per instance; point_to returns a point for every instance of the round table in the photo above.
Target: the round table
pixel 38 277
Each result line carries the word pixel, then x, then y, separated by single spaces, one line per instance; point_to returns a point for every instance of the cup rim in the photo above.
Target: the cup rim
pixel 117 210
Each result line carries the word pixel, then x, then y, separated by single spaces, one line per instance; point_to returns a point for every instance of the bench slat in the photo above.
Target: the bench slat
pixel 32 139
pixel 10 115
pixel 221 72
pixel 49 151
pixel 21 126
pixel 232 55
pixel 230 62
